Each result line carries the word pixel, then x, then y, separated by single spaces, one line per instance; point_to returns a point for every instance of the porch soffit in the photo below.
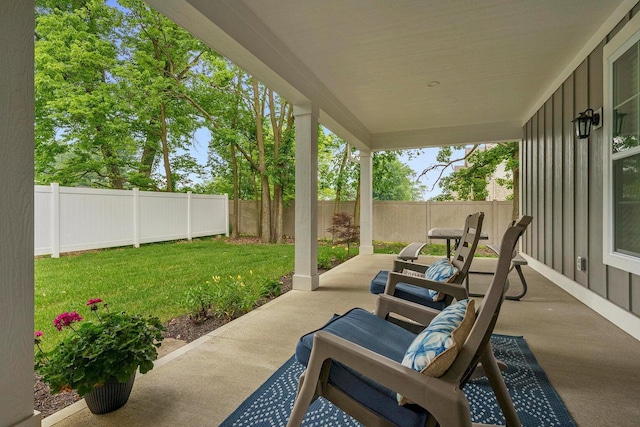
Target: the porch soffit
pixel 367 63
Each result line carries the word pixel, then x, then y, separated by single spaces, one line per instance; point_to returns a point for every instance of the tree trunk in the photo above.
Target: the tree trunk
pixel 147 158
pixel 284 116
pixel 340 180
pixel 113 171
pixel 356 208
pixel 236 193
pixel 265 194
pixel 110 161
pixel 276 223
pixel 165 146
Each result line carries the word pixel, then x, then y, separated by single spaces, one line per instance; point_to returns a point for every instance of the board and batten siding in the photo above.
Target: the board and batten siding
pixel 562 186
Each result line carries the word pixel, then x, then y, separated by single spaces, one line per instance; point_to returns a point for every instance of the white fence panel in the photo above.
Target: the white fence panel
pixel 163 216
pixel 205 224
pixel 73 219
pixel 92 218
pixel 42 220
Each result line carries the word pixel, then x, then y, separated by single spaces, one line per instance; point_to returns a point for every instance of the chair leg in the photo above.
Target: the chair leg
pixel 307 391
pixel 492 371
pixel 524 285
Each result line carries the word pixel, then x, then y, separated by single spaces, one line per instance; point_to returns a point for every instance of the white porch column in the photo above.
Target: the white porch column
pixel 16 211
pixel 305 276
pixel 366 202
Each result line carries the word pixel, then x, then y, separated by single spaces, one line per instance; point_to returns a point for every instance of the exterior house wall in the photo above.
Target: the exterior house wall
pixel 562 187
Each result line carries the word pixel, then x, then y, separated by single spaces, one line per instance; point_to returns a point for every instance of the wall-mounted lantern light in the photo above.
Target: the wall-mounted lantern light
pixel 583 122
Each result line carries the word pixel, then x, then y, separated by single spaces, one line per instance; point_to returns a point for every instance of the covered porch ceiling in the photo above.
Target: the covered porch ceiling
pixel 411 73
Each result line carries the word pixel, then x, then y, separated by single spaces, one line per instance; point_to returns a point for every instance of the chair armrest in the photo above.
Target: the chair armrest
pixel 455 290
pixel 387 304
pixel 399 265
pixel 439 397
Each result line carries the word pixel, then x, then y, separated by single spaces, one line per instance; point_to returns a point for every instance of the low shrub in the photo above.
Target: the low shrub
pixel 325 258
pixel 228 297
pixel 197 301
pixel 271 288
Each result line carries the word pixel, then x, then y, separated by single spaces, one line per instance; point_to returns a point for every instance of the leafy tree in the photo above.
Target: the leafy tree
pixel 81 135
pixel 254 135
pixel 337 177
pixel 159 57
pixel 470 183
pixel 115 90
pixel 392 179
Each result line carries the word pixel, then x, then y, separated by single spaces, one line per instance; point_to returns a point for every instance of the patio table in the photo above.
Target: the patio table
pixel 449 234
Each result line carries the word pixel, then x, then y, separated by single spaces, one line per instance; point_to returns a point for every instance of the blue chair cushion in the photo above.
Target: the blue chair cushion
pixel 368 330
pixel 406 292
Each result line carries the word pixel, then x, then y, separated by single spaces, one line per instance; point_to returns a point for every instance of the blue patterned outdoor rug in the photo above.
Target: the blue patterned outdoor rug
pixel 537 403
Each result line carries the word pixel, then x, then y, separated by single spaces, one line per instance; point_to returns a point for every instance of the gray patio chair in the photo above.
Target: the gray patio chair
pixel 418 289
pixel 355 361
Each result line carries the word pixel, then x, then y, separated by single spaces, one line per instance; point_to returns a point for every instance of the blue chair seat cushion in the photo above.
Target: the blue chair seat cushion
pixel 406 291
pixel 385 338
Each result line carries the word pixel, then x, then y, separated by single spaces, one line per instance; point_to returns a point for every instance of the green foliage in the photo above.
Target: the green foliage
pixel 392 179
pixel 470 183
pixel 120 91
pixel 337 177
pixel 228 297
pixel 197 301
pixel 234 295
pixel 93 352
pixel 325 258
pixel 271 288
pixel 81 134
pixel 329 255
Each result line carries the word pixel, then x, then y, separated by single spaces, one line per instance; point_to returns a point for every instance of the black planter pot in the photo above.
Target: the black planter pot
pixel 110 396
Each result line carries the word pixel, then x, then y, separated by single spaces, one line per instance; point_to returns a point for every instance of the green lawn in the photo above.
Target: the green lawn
pixel 154 278
pixel 148 280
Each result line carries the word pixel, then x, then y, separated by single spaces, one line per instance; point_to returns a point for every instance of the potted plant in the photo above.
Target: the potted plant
pixel 99 359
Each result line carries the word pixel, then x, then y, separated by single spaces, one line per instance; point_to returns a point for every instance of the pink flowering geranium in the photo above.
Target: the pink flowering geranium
pixel 113 347
pixel 66 319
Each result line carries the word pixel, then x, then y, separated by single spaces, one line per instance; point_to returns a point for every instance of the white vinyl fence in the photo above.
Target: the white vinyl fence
pixel 75 219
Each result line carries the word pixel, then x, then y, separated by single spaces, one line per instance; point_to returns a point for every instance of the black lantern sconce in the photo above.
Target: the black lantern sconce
pixel 583 122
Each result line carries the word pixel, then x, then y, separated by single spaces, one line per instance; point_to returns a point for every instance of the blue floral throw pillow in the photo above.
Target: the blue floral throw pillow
pixel 434 349
pixel 440 271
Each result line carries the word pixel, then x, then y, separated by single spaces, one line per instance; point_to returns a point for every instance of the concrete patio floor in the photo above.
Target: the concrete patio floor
pixel 592 364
